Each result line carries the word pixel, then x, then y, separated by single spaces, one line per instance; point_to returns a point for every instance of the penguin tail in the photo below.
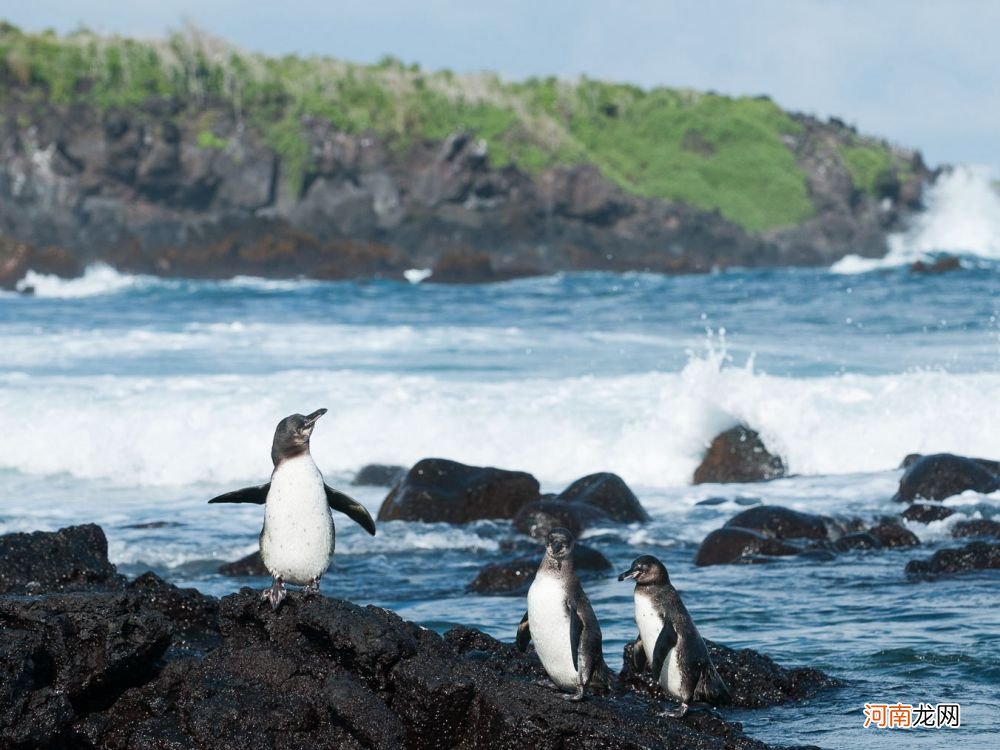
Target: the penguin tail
pixel 603 679
pixel 712 689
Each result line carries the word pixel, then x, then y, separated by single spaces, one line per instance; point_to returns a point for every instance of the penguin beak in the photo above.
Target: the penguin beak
pixel 630 573
pixel 311 419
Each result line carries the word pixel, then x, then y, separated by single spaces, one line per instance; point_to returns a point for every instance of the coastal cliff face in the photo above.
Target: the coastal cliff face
pixel 163 181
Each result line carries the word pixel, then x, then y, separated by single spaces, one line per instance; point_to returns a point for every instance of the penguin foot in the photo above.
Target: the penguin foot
pixel 676 714
pixel 576 697
pixel 311 588
pixel 275 594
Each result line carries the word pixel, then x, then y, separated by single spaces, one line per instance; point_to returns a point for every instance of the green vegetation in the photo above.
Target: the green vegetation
pixel 711 151
pixel 209 140
pixel 866 163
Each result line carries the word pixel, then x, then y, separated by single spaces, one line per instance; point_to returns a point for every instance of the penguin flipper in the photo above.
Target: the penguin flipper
pixel 523 634
pixel 638 655
pixel 350 508
pixel 665 641
pixel 256 495
pixel 575 633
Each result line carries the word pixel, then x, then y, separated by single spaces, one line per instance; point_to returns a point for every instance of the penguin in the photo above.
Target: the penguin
pixel 297 540
pixel 562 623
pixel 668 640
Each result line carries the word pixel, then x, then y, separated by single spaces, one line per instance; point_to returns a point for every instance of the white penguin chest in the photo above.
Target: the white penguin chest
pixel 650 624
pixel 548 619
pixel 298 538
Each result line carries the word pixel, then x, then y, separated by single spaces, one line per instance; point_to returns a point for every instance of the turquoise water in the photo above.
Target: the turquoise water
pixel 128 400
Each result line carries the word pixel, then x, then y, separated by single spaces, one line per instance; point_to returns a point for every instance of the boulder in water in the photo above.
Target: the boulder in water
pixel 941 475
pixel 738 455
pixel 973 556
pixel 439 490
pixel 732 545
pixel 781 523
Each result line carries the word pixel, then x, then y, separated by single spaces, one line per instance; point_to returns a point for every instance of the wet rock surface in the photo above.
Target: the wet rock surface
pixel 941 475
pixel 754 680
pixel 781 523
pixel 378 475
pixel 436 489
pixel 609 493
pixel 973 556
pixel 766 531
pixel 539 518
pixel 71 559
pixel 924 513
pixel 593 500
pixel 153 666
pixel 984 527
pixel 732 544
pixel 738 455
pixel 514 576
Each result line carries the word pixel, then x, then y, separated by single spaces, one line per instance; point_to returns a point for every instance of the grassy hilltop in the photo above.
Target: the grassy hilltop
pixel 734 155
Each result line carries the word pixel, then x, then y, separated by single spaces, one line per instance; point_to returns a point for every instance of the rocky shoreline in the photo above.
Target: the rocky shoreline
pixel 93 660
pixel 177 188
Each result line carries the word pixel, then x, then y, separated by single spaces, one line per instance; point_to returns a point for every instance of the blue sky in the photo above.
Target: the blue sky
pixel 921 74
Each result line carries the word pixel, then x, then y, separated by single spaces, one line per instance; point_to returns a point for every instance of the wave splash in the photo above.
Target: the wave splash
pixel 652 427
pixel 962 218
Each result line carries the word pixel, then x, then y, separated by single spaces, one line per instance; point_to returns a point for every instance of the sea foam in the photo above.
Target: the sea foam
pixel 962 218
pixel 652 428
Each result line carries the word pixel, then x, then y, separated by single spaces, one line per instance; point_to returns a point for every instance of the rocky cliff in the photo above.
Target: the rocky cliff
pixel 180 159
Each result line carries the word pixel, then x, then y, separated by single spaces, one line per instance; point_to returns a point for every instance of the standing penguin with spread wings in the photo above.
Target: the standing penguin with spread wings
pixel 668 640
pixel 296 543
pixel 562 623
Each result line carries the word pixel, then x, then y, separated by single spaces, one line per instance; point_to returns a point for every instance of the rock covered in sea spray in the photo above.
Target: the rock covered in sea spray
pixel 738 455
pixel 941 475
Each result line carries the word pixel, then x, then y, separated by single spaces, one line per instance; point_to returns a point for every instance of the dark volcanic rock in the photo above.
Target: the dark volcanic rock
pixel 942 475
pixel 378 475
pixel 973 556
pixel 781 523
pixel 95 669
pixel 858 540
pixel 738 455
pixel 71 653
pixel 71 559
pixel 938 265
pixel 891 534
pixel 731 544
pixel 514 576
pixel 329 674
pixel 976 527
pixel 608 492
pixel 924 513
pixel 251 565
pixel 436 489
pixel 753 679
pixel 539 518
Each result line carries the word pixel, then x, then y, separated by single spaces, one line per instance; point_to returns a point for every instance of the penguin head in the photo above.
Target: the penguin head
pixel 559 544
pixel 646 570
pixel 291 436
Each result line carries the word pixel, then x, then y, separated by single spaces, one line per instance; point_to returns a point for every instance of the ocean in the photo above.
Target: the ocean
pixel 128 401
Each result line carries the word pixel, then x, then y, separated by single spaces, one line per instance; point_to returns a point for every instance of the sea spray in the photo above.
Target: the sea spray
pixel 962 218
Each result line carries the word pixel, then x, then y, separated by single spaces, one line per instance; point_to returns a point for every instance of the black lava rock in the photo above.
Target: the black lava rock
pixel 71 559
pixel 738 455
pixel 436 489
pixel 942 475
pixel 973 556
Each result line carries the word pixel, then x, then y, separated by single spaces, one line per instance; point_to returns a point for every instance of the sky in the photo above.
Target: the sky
pixel 920 73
